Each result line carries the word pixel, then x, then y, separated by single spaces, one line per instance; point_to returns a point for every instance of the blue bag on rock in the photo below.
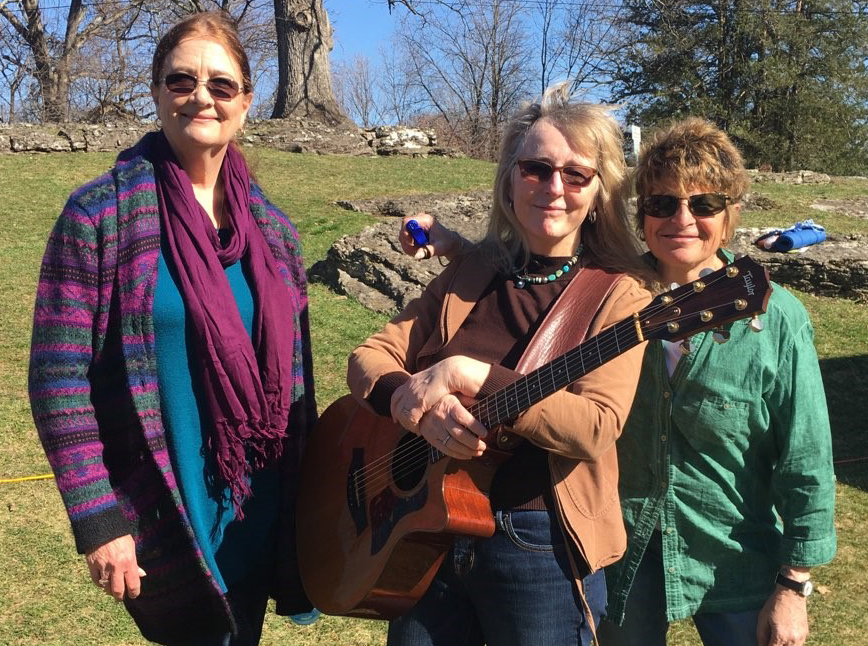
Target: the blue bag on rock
pixel 803 234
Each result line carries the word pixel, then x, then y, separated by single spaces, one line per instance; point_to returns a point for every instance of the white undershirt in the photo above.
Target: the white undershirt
pixel 673 354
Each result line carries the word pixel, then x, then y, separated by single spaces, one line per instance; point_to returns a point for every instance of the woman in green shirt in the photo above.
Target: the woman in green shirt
pixel 726 479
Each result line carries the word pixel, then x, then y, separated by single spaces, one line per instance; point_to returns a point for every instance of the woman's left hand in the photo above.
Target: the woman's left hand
pixel 454 375
pixel 783 620
pixel 452 430
pixel 441 241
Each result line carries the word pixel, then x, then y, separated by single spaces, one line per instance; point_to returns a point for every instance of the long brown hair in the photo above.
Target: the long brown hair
pixel 215 25
pixel 609 242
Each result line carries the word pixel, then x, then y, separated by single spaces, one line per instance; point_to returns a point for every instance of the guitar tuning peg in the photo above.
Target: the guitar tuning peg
pixel 755 324
pixel 673 286
pixel 704 272
pixel 686 347
pixel 720 335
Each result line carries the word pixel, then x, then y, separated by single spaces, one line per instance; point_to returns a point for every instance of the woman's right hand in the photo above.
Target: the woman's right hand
pixel 441 241
pixel 450 428
pixel 458 375
pixel 114 568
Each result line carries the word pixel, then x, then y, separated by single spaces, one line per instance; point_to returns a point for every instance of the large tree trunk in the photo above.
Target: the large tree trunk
pixel 52 75
pixel 304 84
pixel 53 57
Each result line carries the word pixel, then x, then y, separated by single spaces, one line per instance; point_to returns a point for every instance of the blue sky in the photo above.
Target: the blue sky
pixel 360 26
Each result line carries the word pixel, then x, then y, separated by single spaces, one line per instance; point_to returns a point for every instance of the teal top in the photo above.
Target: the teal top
pixel 731 458
pixel 229 547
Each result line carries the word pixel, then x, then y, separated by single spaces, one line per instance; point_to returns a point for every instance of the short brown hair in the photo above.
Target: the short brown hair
pixel 215 25
pixel 608 242
pixel 692 152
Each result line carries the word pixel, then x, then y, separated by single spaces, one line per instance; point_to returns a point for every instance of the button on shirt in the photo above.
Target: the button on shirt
pixel 731 458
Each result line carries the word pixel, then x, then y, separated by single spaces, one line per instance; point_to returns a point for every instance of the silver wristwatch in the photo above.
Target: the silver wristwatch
pixel 802 588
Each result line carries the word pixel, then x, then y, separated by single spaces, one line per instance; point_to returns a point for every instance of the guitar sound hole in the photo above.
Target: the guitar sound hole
pixel 410 462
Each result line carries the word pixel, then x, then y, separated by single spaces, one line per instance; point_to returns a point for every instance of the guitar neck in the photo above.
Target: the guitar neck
pixel 508 402
pixel 736 291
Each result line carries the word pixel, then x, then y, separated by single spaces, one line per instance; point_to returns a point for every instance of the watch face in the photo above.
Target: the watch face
pixel 807 588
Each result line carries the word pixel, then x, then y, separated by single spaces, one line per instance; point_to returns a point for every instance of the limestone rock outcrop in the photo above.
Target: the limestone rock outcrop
pixel 371 267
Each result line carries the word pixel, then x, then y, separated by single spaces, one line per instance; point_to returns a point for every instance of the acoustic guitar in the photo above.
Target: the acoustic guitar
pixel 378 507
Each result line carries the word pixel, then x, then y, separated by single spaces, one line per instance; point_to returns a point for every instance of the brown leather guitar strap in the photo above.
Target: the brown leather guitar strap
pixel 567 323
pixel 564 327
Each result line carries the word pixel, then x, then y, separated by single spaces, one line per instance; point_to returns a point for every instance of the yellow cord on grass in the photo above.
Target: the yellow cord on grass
pixel 45 476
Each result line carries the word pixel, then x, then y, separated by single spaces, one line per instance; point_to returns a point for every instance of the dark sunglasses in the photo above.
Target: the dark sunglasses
pixel 535 170
pixel 704 205
pixel 220 87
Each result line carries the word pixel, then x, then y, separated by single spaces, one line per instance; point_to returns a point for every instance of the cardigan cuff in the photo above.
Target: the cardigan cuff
pixel 100 528
pixel 380 398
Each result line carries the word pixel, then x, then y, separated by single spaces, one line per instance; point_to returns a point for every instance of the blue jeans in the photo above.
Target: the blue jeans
pixel 645 621
pixel 513 589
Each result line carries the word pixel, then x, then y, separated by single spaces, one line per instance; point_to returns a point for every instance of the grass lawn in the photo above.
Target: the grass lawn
pixel 45 594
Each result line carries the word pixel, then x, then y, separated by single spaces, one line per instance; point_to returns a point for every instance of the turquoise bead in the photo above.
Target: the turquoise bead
pixel 523 281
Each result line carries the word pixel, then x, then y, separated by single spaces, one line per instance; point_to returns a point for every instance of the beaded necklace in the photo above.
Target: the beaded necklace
pixel 523 280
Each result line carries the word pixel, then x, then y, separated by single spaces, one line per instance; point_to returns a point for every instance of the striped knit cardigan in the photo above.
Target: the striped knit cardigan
pixel 96 405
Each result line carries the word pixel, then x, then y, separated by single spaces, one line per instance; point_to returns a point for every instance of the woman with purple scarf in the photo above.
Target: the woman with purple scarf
pixel 170 372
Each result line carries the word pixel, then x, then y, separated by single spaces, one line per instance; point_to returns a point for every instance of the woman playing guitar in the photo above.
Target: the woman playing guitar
pixel 558 218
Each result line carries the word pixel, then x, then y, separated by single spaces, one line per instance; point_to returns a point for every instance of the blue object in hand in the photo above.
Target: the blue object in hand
pixel 802 234
pixel 418 233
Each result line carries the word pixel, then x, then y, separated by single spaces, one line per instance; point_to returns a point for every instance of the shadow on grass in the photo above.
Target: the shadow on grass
pixel 846 383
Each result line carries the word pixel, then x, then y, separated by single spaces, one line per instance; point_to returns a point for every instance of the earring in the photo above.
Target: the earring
pixel 592 216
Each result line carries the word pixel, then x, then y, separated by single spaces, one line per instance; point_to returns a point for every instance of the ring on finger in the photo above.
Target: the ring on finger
pixel 104 581
pixel 446 440
pixel 426 251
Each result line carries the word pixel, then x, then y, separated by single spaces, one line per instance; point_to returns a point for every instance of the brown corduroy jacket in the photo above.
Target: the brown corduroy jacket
pixel 578 426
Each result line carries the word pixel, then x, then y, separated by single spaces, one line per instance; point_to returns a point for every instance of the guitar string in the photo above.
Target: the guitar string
pixel 629 323
pixel 414 457
pixel 501 397
pixel 409 458
pixel 411 461
pixel 414 450
pixel 389 457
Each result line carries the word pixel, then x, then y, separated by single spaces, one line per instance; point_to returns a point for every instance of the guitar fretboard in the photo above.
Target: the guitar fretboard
pixel 508 402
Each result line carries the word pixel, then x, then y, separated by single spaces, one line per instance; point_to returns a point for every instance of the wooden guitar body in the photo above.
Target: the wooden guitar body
pixel 376 516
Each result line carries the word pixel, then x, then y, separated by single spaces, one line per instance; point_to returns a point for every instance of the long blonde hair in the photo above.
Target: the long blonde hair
pixel 609 242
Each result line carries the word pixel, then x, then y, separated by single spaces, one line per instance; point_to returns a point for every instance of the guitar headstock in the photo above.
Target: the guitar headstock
pixel 737 291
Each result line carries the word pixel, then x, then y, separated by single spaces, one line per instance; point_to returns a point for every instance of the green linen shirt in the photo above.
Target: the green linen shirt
pixel 731 458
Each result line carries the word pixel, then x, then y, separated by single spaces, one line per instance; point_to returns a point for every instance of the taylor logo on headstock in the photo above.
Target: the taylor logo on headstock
pixel 748 283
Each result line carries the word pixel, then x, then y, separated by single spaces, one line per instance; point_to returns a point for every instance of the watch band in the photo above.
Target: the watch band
pixel 803 588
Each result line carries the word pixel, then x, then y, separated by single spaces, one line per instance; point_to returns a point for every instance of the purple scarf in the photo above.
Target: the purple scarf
pixel 246 386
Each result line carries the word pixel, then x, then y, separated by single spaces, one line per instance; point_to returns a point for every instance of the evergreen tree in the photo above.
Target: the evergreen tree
pixel 787 80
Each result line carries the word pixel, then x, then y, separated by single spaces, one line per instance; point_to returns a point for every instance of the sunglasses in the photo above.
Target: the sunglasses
pixel 704 205
pixel 534 170
pixel 219 87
